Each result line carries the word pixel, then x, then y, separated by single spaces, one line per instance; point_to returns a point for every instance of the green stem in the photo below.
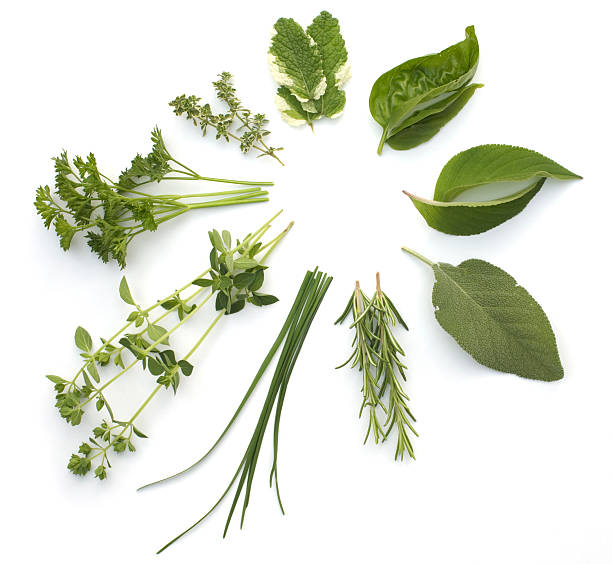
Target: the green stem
pixel 383 140
pixel 418 255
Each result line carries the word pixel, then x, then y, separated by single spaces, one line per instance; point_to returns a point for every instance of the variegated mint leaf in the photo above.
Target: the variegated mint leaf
pixel 290 107
pixel 295 61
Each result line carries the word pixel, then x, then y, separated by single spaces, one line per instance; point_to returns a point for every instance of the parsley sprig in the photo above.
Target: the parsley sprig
pixel 250 130
pixel 112 213
pixel 234 278
pixel 376 352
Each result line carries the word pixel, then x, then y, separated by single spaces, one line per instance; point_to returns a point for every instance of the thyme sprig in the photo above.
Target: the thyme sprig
pixel 376 353
pixel 234 278
pixel 292 334
pixel 250 130
pixel 112 213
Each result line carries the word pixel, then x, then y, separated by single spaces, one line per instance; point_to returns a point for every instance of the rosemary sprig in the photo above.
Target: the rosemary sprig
pixel 234 278
pixel 252 125
pixel 293 333
pixel 376 353
pixel 112 213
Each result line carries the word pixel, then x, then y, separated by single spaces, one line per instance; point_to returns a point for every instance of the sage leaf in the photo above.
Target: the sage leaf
pixel 480 166
pixel 494 319
pixel 422 85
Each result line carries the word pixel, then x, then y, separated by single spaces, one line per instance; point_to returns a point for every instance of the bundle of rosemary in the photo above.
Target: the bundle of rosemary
pixel 112 213
pixel 292 334
pixel 234 278
pixel 376 353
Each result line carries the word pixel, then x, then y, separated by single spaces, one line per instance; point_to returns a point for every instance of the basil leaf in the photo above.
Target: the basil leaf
pixel 420 83
pixel 424 125
pixel 480 166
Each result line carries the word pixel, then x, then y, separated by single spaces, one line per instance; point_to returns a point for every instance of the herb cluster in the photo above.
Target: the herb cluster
pixel 376 353
pixel 112 213
pixel 238 123
pixel 311 68
pixel 292 337
pixel 234 277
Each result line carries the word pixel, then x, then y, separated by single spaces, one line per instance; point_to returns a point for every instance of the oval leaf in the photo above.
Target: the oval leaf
pixel 124 292
pixel 82 339
pixel 479 166
pixel 495 320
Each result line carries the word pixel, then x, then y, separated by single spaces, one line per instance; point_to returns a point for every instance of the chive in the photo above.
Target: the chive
pixel 293 334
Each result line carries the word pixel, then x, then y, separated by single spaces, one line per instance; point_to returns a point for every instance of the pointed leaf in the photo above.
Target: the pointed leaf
pixel 479 166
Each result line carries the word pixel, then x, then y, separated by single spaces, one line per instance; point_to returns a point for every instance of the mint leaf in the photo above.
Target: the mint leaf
pixel 295 61
pixel 325 31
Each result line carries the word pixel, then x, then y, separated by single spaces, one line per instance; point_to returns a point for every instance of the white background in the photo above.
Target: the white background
pixel 508 470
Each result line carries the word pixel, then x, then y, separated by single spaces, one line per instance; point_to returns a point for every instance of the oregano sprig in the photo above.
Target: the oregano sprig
pixel 112 213
pixel 376 353
pixel 236 273
pixel 239 123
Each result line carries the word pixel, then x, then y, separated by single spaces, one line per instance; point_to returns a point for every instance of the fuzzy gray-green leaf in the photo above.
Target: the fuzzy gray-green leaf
pixel 495 320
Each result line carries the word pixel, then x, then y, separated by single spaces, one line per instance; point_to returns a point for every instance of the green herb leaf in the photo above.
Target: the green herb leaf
pixel 124 292
pixel 295 61
pixel 245 263
pixel 494 319
pixel 156 332
pixel 82 339
pixel 186 367
pixel 409 89
pixel 203 282
pixel 479 166
pixel 431 120
pixel 325 31
pixel 244 279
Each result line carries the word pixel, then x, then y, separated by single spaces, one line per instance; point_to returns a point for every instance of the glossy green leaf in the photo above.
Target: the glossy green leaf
pixel 480 166
pixel 494 319
pixel 417 84
pixel 425 124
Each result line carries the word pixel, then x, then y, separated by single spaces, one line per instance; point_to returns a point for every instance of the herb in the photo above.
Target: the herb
pixel 252 125
pixel 311 67
pixel 234 277
pixel 112 213
pixel 494 319
pixel 479 166
pixel 376 353
pixel 414 100
pixel 293 333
